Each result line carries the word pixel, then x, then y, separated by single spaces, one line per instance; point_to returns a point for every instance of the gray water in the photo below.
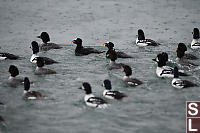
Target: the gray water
pixel 154 107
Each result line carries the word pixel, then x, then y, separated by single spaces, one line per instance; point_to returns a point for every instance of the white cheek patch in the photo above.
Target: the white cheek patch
pixel 82 88
pixel 103 85
pixel 157 59
pixel 34 61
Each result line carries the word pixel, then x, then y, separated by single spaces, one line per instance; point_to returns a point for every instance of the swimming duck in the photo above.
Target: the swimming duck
pixel 90 99
pixel 46 44
pixel 179 83
pixel 80 50
pixel 141 41
pixel 4 56
pixel 128 79
pixel 195 44
pixel 31 95
pixel 35 49
pixel 113 57
pixel 40 70
pixel 14 79
pixel 110 47
pixel 2 121
pixel 162 70
pixel 182 57
pixel 181 49
pixel 2 104
pixel 111 94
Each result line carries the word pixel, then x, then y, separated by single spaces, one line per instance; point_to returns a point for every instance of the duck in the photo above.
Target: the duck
pixel 182 58
pixel 35 49
pixel 5 56
pixel 90 99
pixel 40 70
pixel 181 49
pixel 195 44
pixel 2 121
pixel 162 69
pixel 142 41
pixel 2 105
pixel 179 83
pixel 128 79
pixel 113 57
pixel 44 36
pixel 31 95
pixel 111 94
pixel 80 50
pixel 110 46
pixel 14 79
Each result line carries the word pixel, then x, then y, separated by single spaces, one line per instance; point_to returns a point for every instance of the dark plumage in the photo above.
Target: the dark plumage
pixel 30 94
pixel 162 69
pixel 9 56
pixel 40 70
pixel 109 93
pixel 13 70
pixel 142 41
pixel 80 50
pixel 113 57
pixel 181 49
pixel 110 47
pixel 2 121
pixel 90 99
pixel 196 33
pixel 14 79
pixel 45 39
pixel 127 79
pixel 179 83
pixel 35 49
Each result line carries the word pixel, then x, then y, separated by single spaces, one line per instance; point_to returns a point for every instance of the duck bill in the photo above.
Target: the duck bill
pixel 38 37
pixel 107 55
pixel 71 43
pixel 7 70
pixel 103 45
pixel 154 60
pixel 80 88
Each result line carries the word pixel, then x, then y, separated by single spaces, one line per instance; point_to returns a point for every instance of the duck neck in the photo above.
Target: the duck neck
pixel 110 48
pixel 11 77
pixel 126 77
pixel 195 40
pixel 161 64
pixel 112 62
pixel 180 54
pixel 25 91
pixel 79 45
pixel 37 68
pixel 35 52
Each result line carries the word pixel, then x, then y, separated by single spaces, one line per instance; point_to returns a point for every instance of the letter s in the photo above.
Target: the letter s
pixel 193 109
